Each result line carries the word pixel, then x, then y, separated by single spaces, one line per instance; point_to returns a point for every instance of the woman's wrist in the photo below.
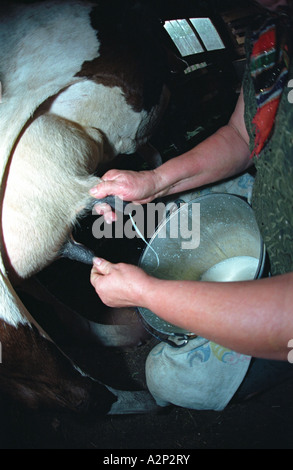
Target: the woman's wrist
pixel 144 291
pixel 161 181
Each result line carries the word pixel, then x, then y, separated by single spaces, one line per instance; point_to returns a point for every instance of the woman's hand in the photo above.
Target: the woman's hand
pixel 138 187
pixel 119 285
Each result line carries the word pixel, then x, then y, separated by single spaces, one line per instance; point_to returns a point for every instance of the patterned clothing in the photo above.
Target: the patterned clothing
pixel 272 198
pixel 269 66
pixel 202 375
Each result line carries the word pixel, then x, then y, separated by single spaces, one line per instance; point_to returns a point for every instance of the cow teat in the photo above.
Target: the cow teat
pixel 76 251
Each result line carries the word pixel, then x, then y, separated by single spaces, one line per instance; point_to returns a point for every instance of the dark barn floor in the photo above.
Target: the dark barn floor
pixel 263 423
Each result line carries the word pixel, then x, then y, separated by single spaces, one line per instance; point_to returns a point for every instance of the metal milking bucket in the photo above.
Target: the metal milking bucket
pixel 229 248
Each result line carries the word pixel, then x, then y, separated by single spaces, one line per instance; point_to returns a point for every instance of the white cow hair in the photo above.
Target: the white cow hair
pixel 94 105
pixel 24 63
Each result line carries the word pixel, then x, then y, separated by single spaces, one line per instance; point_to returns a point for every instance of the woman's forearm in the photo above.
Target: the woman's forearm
pixel 253 318
pixel 211 161
pixel 224 154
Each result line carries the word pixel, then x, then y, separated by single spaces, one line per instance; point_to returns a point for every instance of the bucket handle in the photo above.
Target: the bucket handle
pixel 176 203
pixel 180 339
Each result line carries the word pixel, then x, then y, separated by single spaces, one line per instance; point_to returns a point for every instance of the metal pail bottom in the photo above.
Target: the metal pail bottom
pixel 224 245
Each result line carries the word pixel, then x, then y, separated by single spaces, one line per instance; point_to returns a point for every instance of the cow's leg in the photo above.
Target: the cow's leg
pixel 33 371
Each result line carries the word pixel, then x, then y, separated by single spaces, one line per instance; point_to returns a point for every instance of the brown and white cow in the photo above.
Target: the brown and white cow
pixel 81 83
